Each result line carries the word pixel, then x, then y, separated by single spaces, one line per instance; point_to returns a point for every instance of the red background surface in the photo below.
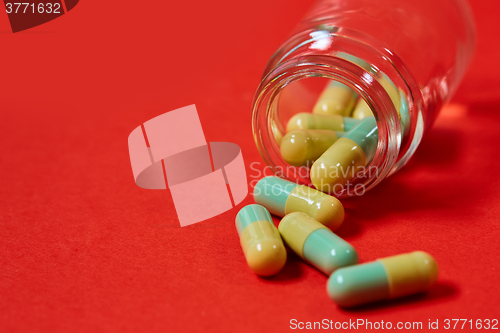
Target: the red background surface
pixel 83 249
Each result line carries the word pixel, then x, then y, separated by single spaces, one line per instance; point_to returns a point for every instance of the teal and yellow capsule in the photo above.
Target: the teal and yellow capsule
pixel 386 278
pixel 363 110
pixel 404 115
pixel 400 102
pixel 260 240
pixel 282 197
pixel 315 243
pixel 303 147
pixel 337 98
pixel 332 122
pixel 397 96
pixel 346 158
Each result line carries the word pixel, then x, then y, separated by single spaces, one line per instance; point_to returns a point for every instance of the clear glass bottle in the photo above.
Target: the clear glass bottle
pixel 422 48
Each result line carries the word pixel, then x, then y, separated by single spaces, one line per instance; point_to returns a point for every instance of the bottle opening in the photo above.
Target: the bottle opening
pixel 321 118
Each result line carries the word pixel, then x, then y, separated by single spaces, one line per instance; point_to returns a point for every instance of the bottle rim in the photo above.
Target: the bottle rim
pixel 298 67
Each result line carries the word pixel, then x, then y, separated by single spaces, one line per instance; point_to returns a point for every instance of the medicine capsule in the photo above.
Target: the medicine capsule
pixel 346 157
pixel 303 147
pixel 404 115
pixel 337 98
pixel 391 90
pixel 398 98
pixel 315 243
pixel 331 122
pixel 386 278
pixel 282 197
pixel 361 110
pixel 260 240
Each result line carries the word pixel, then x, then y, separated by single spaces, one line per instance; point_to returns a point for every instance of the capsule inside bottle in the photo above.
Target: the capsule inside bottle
pixel 303 147
pixel 346 158
pixel 332 122
pixel 337 98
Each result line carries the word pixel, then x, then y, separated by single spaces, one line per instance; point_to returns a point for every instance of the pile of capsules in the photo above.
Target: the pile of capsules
pixel 309 216
pixel 339 138
pixel 336 147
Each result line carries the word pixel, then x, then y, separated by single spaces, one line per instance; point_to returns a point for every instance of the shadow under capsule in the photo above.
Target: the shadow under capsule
pixel 291 271
pixel 439 292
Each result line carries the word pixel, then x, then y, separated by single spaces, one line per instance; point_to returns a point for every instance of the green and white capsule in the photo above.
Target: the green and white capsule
pixel 303 147
pixel 282 197
pixel 332 122
pixel 315 243
pixel 260 240
pixel 346 157
pixel 386 278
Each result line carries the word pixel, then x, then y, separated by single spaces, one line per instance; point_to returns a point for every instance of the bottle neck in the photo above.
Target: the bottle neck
pixel 332 54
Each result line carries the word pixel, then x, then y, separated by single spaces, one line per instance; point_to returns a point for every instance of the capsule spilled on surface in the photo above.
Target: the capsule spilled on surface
pixel 260 240
pixel 283 197
pixel 315 243
pixel 386 278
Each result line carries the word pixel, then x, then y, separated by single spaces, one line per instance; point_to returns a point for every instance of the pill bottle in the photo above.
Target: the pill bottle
pixel 418 49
